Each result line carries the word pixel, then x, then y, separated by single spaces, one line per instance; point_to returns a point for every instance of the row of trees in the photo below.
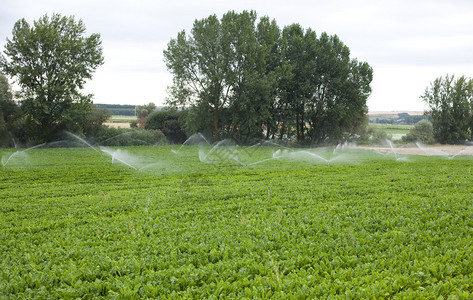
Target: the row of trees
pixel 51 62
pixel 235 76
pixel 248 79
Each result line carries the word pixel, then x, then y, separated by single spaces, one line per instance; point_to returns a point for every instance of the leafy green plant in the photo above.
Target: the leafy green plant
pixel 73 225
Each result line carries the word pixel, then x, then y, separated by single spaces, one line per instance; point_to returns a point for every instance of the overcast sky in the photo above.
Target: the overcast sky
pixel 408 43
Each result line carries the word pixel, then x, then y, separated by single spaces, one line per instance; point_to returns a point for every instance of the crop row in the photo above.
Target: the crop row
pixel 74 225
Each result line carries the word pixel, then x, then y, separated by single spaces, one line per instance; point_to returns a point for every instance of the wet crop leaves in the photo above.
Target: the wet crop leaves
pixel 72 224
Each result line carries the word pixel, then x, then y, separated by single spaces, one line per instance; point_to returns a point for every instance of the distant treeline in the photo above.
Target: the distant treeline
pixel 118 109
pixel 402 119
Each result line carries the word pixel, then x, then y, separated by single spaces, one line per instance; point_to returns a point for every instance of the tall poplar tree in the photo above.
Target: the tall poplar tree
pixel 199 65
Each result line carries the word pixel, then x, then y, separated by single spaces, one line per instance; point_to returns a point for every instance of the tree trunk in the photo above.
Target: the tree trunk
pixel 215 121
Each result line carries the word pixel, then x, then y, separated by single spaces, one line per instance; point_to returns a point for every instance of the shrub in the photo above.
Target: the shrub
pixel 170 123
pixel 422 132
pixel 93 123
pixel 129 137
pixel 372 135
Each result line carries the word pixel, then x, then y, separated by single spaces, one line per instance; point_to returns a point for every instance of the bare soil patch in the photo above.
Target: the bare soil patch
pixel 117 124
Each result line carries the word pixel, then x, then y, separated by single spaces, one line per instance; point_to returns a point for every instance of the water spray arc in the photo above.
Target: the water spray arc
pixel 195 139
pixel 19 153
pixel 80 140
pixel 118 156
pixel 432 152
pixel 227 152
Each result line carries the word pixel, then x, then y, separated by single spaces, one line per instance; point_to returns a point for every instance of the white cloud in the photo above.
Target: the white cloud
pixel 128 87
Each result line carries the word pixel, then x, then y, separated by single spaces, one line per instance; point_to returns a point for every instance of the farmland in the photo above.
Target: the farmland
pixel 120 121
pixel 394 129
pixel 186 225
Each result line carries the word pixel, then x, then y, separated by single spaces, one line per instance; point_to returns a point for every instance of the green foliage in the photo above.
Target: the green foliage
pixel 6 103
pixel 106 136
pixel 412 120
pixel 254 55
pixel 258 82
pixel 373 135
pixel 134 124
pixel 93 124
pixel 198 64
pixel 73 225
pixel 11 120
pixel 327 92
pixel 52 60
pixel 450 105
pixel 422 132
pixel 169 122
pixel 143 111
pixel 198 119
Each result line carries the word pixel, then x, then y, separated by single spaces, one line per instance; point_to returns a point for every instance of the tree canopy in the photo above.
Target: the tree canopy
pixel 246 78
pixel 143 111
pixel 450 105
pixel 6 99
pixel 8 111
pixel 51 60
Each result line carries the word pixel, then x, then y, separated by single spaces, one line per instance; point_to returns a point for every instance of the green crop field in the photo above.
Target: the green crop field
pixel 234 222
pixel 393 129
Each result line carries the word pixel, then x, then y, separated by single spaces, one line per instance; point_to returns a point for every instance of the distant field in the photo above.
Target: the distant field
pixel 234 222
pixel 394 129
pixel 120 121
pixel 391 114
